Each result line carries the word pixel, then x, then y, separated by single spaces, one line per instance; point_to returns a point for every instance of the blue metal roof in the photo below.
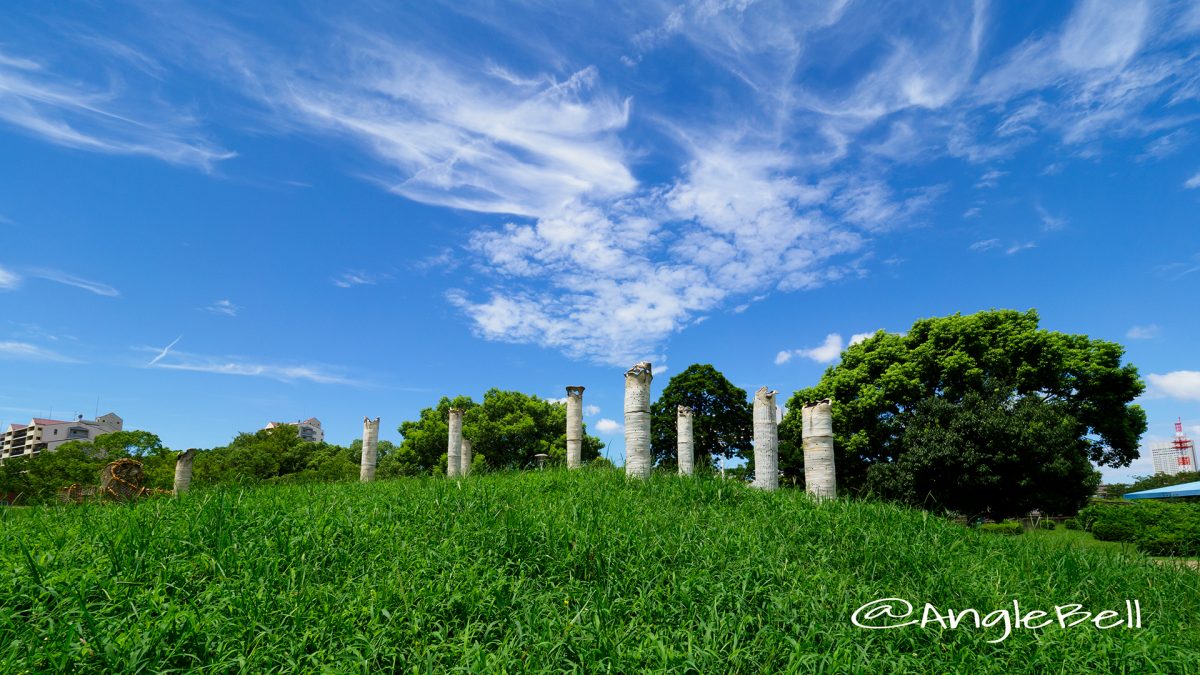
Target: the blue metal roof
pixel 1181 490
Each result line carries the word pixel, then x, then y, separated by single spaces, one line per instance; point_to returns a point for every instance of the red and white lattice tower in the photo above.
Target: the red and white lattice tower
pixel 1185 448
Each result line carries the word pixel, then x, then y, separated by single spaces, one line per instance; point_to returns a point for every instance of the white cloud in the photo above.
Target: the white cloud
pixel 1143 332
pixel 1181 384
pixel 1193 182
pixel 27 352
pixel 1103 33
pixel 984 245
pixel 765 196
pixel 8 279
pixel 351 278
pixel 223 365
pixel 1018 247
pixel 990 179
pixel 1050 222
pixel 590 410
pixel 972 212
pixel 61 277
pixel 110 120
pixel 826 352
pixel 607 426
pixel 860 337
pixel 224 307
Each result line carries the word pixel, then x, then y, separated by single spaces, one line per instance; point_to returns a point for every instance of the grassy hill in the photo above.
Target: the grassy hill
pixel 550 571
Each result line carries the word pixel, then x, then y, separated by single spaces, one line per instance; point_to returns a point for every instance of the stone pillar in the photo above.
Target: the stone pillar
pixel 366 468
pixel 684 446
pixel 466 457
pixel 183 471
pixel 638 460
pixel 766 441
pixel 820 475
pixel 574 427
pixel 454 448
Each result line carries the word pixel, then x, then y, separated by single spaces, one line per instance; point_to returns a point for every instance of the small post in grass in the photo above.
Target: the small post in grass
pixel 574 427
pixel 684 445
pixel 638 460
pixel 766 441
pixel 466 457
pixel 370 443
pixel 454 448
pixel 183 471
pixel 820 475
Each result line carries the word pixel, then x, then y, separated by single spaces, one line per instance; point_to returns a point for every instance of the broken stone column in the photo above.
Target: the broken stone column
pixel 466 457
pixel 684 446
pixel 766 441
pixel 820 476
pixel 454 448
pixel 183 471
pixel 574 427
pixel 366 469
pixel 638 460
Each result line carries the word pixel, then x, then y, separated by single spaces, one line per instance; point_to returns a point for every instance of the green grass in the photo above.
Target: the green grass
pixel 1065 537
pixel 552 572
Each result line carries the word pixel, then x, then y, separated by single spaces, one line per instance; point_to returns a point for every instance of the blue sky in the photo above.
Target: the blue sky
pixel 346 212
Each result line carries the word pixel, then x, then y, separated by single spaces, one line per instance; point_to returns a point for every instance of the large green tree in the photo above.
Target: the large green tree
pixel 1000 355
pixel 723 424
pixel 506 430
pixel 989 455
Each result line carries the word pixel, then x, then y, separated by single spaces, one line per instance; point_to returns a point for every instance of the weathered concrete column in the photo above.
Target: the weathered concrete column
pixel 684 446
pixel 454 448
pixel 820 475
pixel 466 457
pixel 574 427
pixel 638 460
pixel 766 441
pixel 366 468
pixel 183 471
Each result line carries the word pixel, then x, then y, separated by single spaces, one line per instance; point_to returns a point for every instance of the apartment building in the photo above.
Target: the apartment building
pixel 310 429
pixel 45 435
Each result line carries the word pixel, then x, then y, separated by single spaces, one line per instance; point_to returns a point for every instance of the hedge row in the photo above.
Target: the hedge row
pixel 1156 528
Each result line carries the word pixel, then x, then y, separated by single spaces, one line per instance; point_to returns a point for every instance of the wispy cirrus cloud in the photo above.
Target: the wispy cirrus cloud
pixel 786 190
pixel 223 307
pixel 60 277
pixel 1193 182
pixel 28 352
pixel 8 279
pixel 230 365
pixel 352 278
pixel 1147 332
pixel 113 119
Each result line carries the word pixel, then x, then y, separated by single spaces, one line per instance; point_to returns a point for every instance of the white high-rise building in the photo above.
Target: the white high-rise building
pixel 1177 456
pixel 45 435
pixel 310 429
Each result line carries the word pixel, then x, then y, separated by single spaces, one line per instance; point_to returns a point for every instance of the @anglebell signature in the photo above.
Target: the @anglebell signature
pixel 887 613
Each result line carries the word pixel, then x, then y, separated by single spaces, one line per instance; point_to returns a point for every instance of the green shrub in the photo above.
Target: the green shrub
pixel 1157 528
pixel 1009 527
pixel 1046 525
pixel 1072 524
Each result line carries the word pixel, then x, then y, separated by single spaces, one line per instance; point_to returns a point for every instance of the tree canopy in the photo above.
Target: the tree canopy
pixel 723 424
pixel 506 430
pixel 37 478
pixel 992 358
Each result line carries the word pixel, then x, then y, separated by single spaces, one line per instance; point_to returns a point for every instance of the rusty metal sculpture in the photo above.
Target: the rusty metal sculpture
pixel 120 481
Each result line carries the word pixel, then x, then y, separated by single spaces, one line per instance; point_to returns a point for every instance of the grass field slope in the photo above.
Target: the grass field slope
pixel 549 571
